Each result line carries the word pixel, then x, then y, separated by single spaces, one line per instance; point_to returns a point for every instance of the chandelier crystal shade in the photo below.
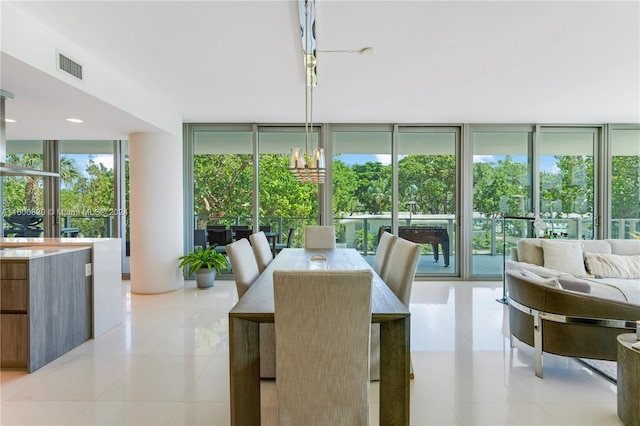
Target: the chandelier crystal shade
pixel 308 166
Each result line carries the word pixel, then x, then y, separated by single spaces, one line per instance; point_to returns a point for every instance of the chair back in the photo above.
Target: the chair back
pixel 242 233
pixel 403 263
pixel 200 238
pixel 290 236
pixel 219 237
pixel 265 228
pixel 261 250
pixel 383 254
pixel 319 237
pixel 243 265
pixel 322 321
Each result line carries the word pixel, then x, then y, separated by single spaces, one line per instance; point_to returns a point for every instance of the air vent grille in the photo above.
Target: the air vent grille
pixel 69 66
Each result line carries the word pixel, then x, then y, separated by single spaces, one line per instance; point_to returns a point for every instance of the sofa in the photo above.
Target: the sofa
pixel 573 297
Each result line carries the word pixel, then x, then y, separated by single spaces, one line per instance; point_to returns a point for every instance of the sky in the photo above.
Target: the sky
pixel 548 162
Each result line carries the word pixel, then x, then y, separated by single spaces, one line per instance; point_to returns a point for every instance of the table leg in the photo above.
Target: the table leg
pixel 244 371
pixel 395 368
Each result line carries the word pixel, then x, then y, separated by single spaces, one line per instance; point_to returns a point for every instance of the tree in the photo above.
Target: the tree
pixel 345 186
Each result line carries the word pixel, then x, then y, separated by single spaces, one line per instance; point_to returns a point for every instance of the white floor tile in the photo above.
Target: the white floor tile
pixel 167 363
pixel 126 413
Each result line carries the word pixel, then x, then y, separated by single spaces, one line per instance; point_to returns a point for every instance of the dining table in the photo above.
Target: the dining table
pixel 257 306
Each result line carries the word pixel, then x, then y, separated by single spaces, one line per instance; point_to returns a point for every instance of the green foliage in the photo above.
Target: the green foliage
pixel 493 183
pixel 359 240
pixel 625 187
pixel 430 181
pixel 202 258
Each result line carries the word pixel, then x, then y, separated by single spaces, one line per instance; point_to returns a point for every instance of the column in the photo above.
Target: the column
pixel 156 215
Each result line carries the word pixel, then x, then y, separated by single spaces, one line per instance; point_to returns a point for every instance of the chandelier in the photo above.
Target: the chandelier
pixel 308 166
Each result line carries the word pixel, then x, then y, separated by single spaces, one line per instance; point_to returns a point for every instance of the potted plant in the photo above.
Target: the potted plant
pixel 205 263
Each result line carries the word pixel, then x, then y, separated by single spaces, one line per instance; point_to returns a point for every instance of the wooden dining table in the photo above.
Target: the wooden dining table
pixel 256 306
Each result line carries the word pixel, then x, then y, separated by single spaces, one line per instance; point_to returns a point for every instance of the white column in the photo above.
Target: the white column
pixel 155 203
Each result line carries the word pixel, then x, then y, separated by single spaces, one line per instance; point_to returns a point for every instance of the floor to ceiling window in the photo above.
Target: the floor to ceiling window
pixel 222 178
pixel 566 164
pixel 23 196
pixel 284 202
pixel 87 189
pixel 625 183
pixel 427 194
pixel 362 182
pixel 502 172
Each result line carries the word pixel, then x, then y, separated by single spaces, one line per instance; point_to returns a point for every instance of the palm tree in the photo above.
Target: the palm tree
pixel 69 172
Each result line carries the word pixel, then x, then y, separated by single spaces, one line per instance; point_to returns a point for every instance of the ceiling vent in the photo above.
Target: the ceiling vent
pixel 69 66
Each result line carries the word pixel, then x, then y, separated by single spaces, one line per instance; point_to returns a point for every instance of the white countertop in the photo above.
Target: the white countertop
pixel 23 253
pixel 22 241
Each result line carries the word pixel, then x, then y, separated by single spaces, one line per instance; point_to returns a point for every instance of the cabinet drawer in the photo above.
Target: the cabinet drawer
pixel 13 270
pixel 14 295
pixel 14 341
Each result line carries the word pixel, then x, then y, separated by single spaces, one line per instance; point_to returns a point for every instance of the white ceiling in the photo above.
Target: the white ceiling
pixel 433 62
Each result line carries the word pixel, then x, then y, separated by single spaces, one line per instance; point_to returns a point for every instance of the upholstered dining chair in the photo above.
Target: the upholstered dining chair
pixel 319 237
pixel 383 254
pixel 402 270
pixel 380 265
pixel 261 250
pixel 245 271
pixel 322 321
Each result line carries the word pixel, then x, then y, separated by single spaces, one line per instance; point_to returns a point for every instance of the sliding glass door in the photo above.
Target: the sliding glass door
pixel 427 195
pixel 567 181
pixel 362 185
pixel 625 183
pixel 284 202
pixel 502 172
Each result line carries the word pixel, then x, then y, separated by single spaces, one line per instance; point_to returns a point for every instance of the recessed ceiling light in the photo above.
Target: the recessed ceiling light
pixel 74 120
pixel 9 120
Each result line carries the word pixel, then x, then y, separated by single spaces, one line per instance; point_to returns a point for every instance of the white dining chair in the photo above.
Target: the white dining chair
pixel 380 266
pixel 322 321
pixel 402 270
pixel 245 271
pixel 261 250
pixel 383 254
pixel 319 237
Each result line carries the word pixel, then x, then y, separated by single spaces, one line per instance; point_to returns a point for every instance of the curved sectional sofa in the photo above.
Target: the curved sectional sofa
pixel 573 297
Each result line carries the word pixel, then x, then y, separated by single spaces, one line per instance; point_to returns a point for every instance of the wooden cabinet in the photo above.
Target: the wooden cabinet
pixel 45 306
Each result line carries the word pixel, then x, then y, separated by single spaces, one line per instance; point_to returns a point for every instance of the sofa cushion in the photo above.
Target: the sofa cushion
pixel 551 281
pixel 625 247
pixel 565 256
pixel 613 265
pixel 530 251
pixel 595 246
pixel 568 282
pixel 536 269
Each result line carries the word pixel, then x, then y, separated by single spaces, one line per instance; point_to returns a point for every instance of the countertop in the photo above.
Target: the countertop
pixel 23 253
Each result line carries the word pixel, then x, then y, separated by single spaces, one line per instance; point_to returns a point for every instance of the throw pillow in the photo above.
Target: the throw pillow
pixel 613 265
pixel 565 256
pixel 551 281
pixel 568 282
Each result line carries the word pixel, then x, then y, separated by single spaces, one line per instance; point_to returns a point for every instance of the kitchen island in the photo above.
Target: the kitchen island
pixel 45 304
pixel 106 274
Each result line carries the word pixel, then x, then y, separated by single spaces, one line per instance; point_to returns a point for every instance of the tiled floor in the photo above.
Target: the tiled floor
pixel 168 364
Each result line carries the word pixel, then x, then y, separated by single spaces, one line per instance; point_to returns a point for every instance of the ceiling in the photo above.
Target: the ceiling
pixel 241 61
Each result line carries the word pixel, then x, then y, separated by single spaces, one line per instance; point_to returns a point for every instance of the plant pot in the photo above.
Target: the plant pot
pixel 205 277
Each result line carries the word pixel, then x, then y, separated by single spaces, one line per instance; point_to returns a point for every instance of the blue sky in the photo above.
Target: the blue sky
pixel 548 162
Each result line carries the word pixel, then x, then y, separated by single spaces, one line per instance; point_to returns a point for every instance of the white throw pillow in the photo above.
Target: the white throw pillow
pixel 613 265
pixel 565 256
pixel 552 281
